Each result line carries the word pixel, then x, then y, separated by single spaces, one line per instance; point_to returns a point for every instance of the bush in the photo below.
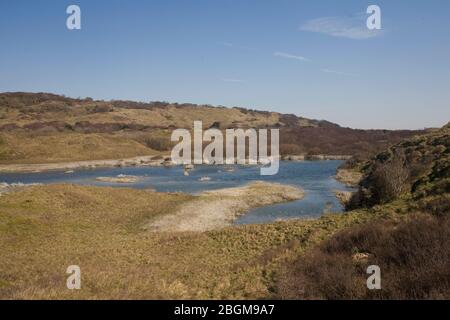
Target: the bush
pixel 437 206
pixel 387 179
pixel 413 257
pixel 314 151
pixel 290 149
pixel 158 143
pixel 390 180
pixel 352 163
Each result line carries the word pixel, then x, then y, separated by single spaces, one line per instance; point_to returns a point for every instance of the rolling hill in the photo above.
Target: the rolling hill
pixel 43 127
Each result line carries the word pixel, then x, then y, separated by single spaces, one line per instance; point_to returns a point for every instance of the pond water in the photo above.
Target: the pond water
pixel 315 177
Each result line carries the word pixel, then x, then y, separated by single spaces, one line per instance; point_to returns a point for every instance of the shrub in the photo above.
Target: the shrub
pixel 314 151
pixel 158 143
pixel 100 108
pixel 390 179
pixel 290 149
pixel 387 179
pixel 437 206
pixel 413 257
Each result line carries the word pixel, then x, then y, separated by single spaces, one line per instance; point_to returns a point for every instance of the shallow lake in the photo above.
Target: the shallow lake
pixel 315 177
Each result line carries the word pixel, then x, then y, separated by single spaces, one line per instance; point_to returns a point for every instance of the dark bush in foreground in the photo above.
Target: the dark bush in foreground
pixel 438 206
pixel 414 258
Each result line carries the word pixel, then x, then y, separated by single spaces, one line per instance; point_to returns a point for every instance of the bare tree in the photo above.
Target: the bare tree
pixel 390 178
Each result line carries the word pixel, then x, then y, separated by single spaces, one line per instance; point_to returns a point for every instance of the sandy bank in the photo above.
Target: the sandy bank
pixel 119 179
pixel 216 209
pixel 88 164
pixel 316 157
pixel 151 161
pixel 349 177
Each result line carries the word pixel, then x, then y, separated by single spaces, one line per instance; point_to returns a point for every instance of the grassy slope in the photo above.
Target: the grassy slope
pixel 38 128
pixel 24 148
pixel 47 228
pixel 72 111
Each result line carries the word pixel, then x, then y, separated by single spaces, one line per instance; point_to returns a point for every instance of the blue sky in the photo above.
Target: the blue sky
pixel 311 58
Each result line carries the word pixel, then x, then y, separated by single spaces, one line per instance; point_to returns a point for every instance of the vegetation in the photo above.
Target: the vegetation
pixel 44 229
pixel 413 256
pixel 37 120
pixel 399 218
pixel 412 179
pixel 160 143
pixel 419 166
pixel 28 148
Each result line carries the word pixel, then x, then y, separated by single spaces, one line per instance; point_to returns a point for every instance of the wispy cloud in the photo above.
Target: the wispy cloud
pixel 338 72
pixel 232 80
pixel 289 56
pixel 351 28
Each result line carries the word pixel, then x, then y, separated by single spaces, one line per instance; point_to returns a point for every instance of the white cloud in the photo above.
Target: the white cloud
pixel 289 56
pixel 351 28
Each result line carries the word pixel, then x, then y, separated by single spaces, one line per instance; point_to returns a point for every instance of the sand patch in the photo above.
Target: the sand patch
pixel 219 208
pixel 121 178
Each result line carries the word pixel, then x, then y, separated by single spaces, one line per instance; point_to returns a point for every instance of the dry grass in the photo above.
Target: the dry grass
pixel 59 147
pixel 343 196
pixel 348 176
pixel 169 115
pixel 44 229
